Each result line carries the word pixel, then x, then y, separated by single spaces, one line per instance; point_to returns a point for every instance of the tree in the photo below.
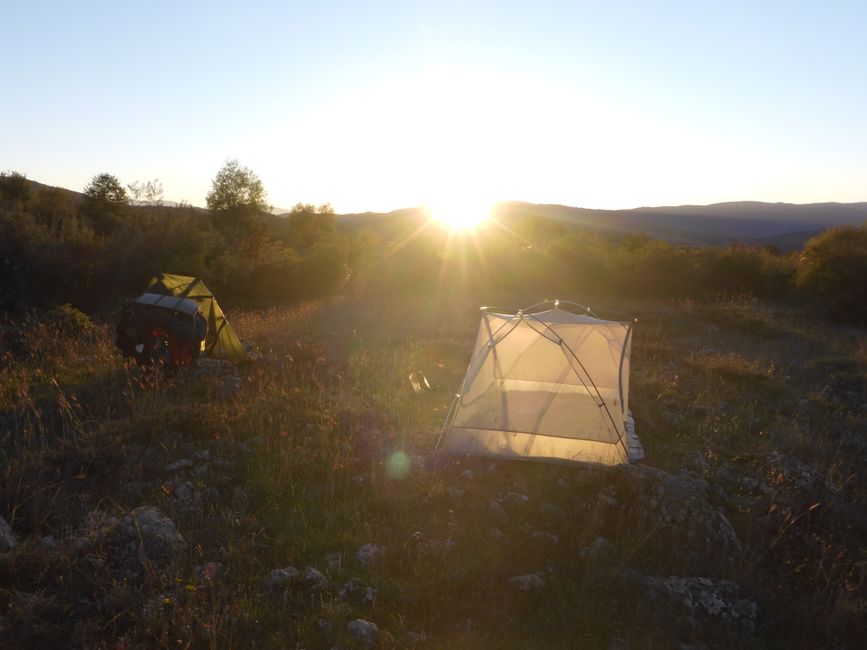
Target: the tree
pixel 235 186
pixel 307 224
pixel 237 201
pixel 14 186
pixel 151 192
pixel 105 202
pixel 833 266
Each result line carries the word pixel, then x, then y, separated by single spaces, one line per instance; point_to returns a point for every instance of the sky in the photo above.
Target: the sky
pixel 381 105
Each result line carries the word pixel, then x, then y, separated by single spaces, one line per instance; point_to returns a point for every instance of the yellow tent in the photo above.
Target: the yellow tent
pixel 221 342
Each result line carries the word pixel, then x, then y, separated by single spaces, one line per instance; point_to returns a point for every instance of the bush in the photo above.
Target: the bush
pixel 69 320
pixel 833 267
pixel 14 186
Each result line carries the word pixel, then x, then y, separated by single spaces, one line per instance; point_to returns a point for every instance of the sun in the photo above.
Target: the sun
pixel 460 211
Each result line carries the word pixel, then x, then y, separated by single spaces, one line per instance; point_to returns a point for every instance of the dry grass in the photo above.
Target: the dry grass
pixel 295 453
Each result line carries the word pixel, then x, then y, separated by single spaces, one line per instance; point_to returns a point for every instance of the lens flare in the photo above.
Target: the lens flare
pixel 397 466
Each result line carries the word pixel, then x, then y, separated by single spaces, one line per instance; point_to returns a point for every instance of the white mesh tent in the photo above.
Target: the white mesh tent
pixel 546 383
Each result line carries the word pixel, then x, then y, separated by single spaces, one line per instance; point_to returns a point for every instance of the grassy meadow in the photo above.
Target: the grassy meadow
pixel 318 456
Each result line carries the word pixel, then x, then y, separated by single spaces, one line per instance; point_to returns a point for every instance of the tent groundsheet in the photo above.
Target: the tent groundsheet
pixel 546 383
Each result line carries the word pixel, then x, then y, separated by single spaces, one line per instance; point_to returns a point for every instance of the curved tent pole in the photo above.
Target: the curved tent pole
pixel 557 302
pixel 523 315
pixel 446 422
pixel 584 308
pixel 453 408
pixel 622 360
pixel 563 345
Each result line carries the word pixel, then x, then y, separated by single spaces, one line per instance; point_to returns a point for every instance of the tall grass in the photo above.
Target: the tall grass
pixel 289 465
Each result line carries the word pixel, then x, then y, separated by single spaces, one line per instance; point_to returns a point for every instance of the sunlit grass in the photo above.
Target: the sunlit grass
pixel 299 471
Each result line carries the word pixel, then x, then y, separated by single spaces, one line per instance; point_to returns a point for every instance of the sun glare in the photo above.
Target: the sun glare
pixel 460 213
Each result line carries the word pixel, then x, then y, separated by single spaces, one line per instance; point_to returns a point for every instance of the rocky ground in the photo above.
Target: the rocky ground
pixel 297 502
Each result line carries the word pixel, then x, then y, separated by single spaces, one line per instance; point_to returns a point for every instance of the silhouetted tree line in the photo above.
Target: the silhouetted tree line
pixel 95 250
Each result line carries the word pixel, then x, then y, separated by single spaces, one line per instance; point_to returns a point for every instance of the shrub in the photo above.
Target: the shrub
pixel 833 267
pixel 69 320
pixel 14 186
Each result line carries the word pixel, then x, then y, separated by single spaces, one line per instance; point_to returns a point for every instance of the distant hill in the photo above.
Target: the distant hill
pixel 786 225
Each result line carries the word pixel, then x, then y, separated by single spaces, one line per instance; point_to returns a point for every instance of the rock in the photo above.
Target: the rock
pixel 702 598
pixel 36 605
pixel 717 496
pixel 415 539
pixel 178 465
pixel 754 486
pixel 206 573
pixel 334 561
pixel 188 498
pixel 82 544
pixel 552 514
pixel 98 526
pixel 607 498
pixel 792 475
pixel 731 479
pixel 370 555
pixel 514 502
pixel 363 631
pixel 358 592
pixel 279 580
pixel 149 534
pixel 8 538
pixel 414 638
pixel 202 455
pixel 542 538
pixel 674 515
pixel 313 580
pixel 599 546
pixel 49 544
pixel 496 534
pixel 529 582
pixel 498 511
pixel 455 493
pixel 211 366
pixel 697 461
pixel 467 475
pixel 228 387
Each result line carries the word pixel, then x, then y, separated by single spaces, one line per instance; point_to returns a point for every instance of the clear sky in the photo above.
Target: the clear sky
pixel 379 105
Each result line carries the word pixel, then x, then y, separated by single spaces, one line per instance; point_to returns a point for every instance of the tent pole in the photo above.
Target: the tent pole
pixel 563 345
pixel 446 422
pixel 453 408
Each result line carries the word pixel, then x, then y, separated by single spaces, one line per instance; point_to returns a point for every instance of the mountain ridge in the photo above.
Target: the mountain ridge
pixel 787 225
pixel 783 224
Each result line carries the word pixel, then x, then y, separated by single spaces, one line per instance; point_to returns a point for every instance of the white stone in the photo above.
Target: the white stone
pixel 370 555
pixel 363 631
pixel 8 538
pixel 280 579
pixel 529 582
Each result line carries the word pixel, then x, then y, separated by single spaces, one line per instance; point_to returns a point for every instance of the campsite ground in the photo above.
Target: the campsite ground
pixel 745 526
